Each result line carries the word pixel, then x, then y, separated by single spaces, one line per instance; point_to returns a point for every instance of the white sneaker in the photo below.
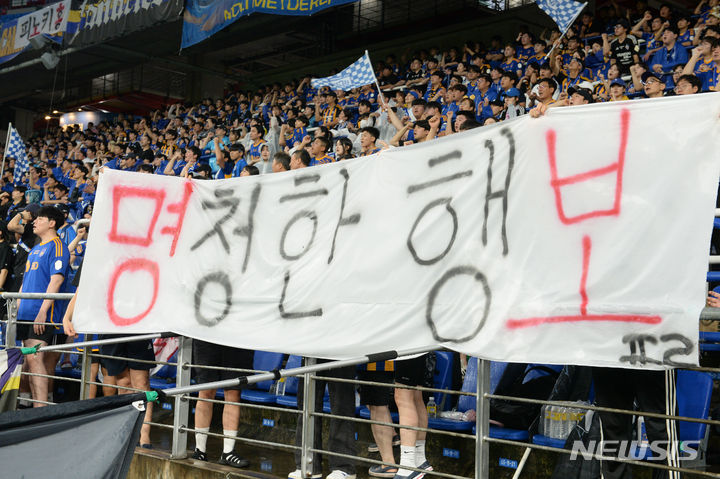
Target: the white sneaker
pixel 297 474
pixel 338 474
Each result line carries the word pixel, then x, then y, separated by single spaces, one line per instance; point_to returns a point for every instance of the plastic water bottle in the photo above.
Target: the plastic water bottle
pixel 431 407
pixel 547 420
pixel 280 387
pixel 565 422
pixel 555 425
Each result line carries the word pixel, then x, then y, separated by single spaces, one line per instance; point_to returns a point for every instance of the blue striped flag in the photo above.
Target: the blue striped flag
pixel 16 149
pixel 358 74
pixel 563 12
pixel 11 361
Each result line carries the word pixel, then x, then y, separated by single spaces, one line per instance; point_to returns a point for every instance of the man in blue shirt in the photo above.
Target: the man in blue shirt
pixel 45 272
pixel 669 56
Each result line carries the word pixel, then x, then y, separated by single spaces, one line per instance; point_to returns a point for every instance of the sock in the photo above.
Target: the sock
pixel 228 444
pixel 201 438
pixel 407 458
pixel 420 452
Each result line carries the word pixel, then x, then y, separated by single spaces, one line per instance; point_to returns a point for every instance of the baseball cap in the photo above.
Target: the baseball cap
pixel 619 81
pixel 33 208
pixel 586 94
pixel 513 92
pixel 497 102
pixel 647 75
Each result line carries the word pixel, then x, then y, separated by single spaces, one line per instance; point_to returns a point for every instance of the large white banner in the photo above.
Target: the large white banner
pixel 50 21
pixel 580 237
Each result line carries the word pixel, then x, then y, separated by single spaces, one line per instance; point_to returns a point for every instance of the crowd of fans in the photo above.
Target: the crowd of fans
pixel 618 54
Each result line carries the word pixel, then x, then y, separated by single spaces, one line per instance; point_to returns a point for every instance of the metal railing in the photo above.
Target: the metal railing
pixel 182 398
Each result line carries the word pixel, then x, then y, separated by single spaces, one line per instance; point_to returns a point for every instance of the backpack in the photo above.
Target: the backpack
pixel 518 415
pixel 579 467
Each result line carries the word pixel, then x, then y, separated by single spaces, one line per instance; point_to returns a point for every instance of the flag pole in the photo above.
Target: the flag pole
pixel 7 140
pixel 377 84
pixel 566 30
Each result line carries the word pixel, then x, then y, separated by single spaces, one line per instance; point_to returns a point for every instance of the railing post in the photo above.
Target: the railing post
pixel 482 421
pixel 308 425
pixel 85 373
pixel 11 325
pixel 181 408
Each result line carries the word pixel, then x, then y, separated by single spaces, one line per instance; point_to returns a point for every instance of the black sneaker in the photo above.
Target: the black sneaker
pixel 232 459
pixel 199 455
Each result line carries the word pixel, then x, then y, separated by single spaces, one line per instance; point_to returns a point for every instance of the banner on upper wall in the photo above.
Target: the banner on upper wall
pixel 50 22
pixel 204 18
pixel 576 238
pixel 95 22
pixel 16 33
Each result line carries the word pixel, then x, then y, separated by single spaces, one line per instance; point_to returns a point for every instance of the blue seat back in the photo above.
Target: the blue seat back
pixel 442 378
pixel 537 373
pixel 469 385
pixel 291 383
pixel 694 391
pixel 265 361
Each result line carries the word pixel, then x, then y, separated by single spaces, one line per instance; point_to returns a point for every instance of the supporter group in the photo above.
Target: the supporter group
pixel 613 54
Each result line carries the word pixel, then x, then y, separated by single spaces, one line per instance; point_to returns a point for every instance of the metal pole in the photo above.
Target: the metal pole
pixel 11 324
pixel 7 140
pixel 308 425
pixel 482 421
pixel 181 412
pixel 283 373
pixel 100 342
pixel 85 375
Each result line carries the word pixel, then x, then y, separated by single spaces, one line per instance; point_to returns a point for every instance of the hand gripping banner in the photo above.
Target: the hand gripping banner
pixel 580 237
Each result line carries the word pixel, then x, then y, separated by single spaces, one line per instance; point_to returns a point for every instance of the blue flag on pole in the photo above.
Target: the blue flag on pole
pixel 358 74
pixel 563 12
pixel 16 149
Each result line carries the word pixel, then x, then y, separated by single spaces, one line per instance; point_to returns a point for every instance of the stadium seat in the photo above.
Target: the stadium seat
pixel 694 392
pixel 289 399
pixel 263 361
pixel 709 341
pixel 442 379
pixel 466 403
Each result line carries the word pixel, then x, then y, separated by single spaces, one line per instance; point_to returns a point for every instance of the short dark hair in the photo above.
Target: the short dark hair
pixel 550 83
pixel 52 214
pixel 252 170
pixel 694 81
pixel 469 125
pixel 324 141
pixel 304 156
pixel 419 102
pixel 146 167
pixel 282 158
pixel 434 104
pixel 512 76
pixel 459 87
pixel 196 151
pixel 423 124
pixel 372 131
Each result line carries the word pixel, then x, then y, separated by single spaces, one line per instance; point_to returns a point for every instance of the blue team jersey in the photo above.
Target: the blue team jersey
pixel 525 54
pixel 67 234
pixel 322 160
pixel 255 150
pixel 44 261
pixel 511 65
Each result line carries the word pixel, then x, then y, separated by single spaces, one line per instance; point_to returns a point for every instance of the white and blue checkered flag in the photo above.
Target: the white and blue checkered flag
pixel 563 12
pixel 16 149
pixel 358 74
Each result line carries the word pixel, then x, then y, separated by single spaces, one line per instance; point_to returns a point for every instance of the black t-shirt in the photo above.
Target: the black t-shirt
pixel 623 53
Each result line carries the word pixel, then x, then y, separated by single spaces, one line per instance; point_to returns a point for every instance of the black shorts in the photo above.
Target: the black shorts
pixel 376 395
pixel 125 353
pixel 51 336
pixel 411 372
pixel 209 354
